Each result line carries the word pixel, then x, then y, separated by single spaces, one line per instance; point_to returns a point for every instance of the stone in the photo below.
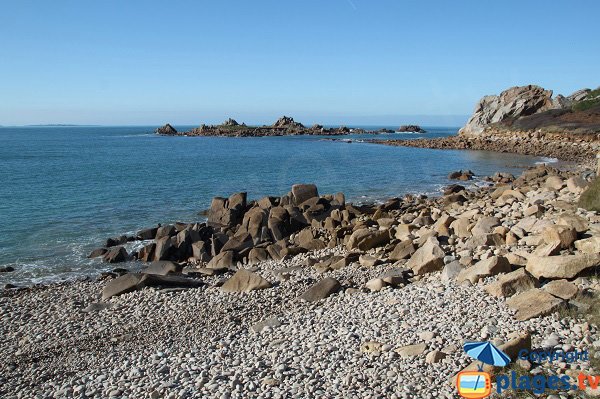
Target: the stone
pixel 115 255
pixel 402 250
pixel 485 225
pixel 563 266
pixel 577 222
pixel 487 267
pixel 365 239
pixel 227 212
pixel 164 248
pixel 563 234
pixel 321 290
pixel 577 185
pixel 371 347
pixel 429 258
pixel 162 268
pixel 462 227
pixel 395 276
pixel 510 104
pixel 224 260
pixel 554 183
pixel 245 281
pixel 147 234
pixel 533 303
pixel 97 252
pixel 375 284
pixel 257 255
pixel 404 231
pixel 269 322
pixel 534 210
pixel 165 231
pixel 562 289
pixel 123 284
pixel 435 356
pixel 479 240
pixel 200 251
pixel 303 192
pixel 589 245
pixel 547 249
pixel 367 260
pixel 512 283
pixel 409 351
pixel 451 271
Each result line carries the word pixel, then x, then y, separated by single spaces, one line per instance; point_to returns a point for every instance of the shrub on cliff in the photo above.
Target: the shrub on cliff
pixel 591 100
pixel 590 199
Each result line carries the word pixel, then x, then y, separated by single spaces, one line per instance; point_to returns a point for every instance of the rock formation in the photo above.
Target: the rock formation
pixel 166 129
pixel 512 103
pixel 411 129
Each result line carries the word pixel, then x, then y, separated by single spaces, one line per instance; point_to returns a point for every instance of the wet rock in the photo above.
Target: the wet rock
pixel 116 255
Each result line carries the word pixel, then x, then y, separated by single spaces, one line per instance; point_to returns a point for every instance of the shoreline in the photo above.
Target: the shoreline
pixel 571 148
pixel 406 286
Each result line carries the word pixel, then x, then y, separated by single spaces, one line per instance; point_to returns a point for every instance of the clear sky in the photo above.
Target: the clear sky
pixel 328 61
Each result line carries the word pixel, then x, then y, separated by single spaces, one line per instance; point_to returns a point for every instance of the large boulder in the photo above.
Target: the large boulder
pixel 429 258
pixel 321 290
pixel 303 192
pixel 512 283
pixel 222 261
pixel 484 268
pixel 562 235
pixel 402 250
pixel 227 212
pixel 485 225
pixel 533 303
pixel 564 266
pixel 244 281
pixel 162 268
pixel 253 222
pixel 510 104
pixel 365 239
pixel 116 255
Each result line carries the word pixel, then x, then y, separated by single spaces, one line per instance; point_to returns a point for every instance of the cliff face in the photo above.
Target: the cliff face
pixel 532 107
pixel 512 103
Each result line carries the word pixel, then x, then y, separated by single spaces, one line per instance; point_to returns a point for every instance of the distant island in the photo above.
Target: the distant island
pixel 284 126
pixel 57 125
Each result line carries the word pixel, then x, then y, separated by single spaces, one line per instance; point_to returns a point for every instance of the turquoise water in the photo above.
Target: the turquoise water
pixel 64 190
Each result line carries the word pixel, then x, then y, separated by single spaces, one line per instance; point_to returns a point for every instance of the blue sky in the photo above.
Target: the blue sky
pixel 334 61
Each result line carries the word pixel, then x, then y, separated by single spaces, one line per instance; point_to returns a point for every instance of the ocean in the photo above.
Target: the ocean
pixel 64 190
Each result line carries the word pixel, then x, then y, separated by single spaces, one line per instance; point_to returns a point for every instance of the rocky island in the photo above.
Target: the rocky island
pixel 284 126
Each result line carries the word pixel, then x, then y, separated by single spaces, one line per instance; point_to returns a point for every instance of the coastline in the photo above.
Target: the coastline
pixel 169 332
pixel 573 148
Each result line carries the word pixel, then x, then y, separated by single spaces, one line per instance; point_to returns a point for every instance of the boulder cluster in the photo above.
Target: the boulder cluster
pixel 526 229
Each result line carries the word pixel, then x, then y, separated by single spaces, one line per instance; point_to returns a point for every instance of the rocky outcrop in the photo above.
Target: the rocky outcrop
pixel 411 129
pixel 166 129
pixel 512 103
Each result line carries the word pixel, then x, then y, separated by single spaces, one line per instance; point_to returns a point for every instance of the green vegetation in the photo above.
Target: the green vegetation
pixel 594 100
pixel 590 199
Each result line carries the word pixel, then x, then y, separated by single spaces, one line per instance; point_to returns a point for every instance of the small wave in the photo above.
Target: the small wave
pixel 545 160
